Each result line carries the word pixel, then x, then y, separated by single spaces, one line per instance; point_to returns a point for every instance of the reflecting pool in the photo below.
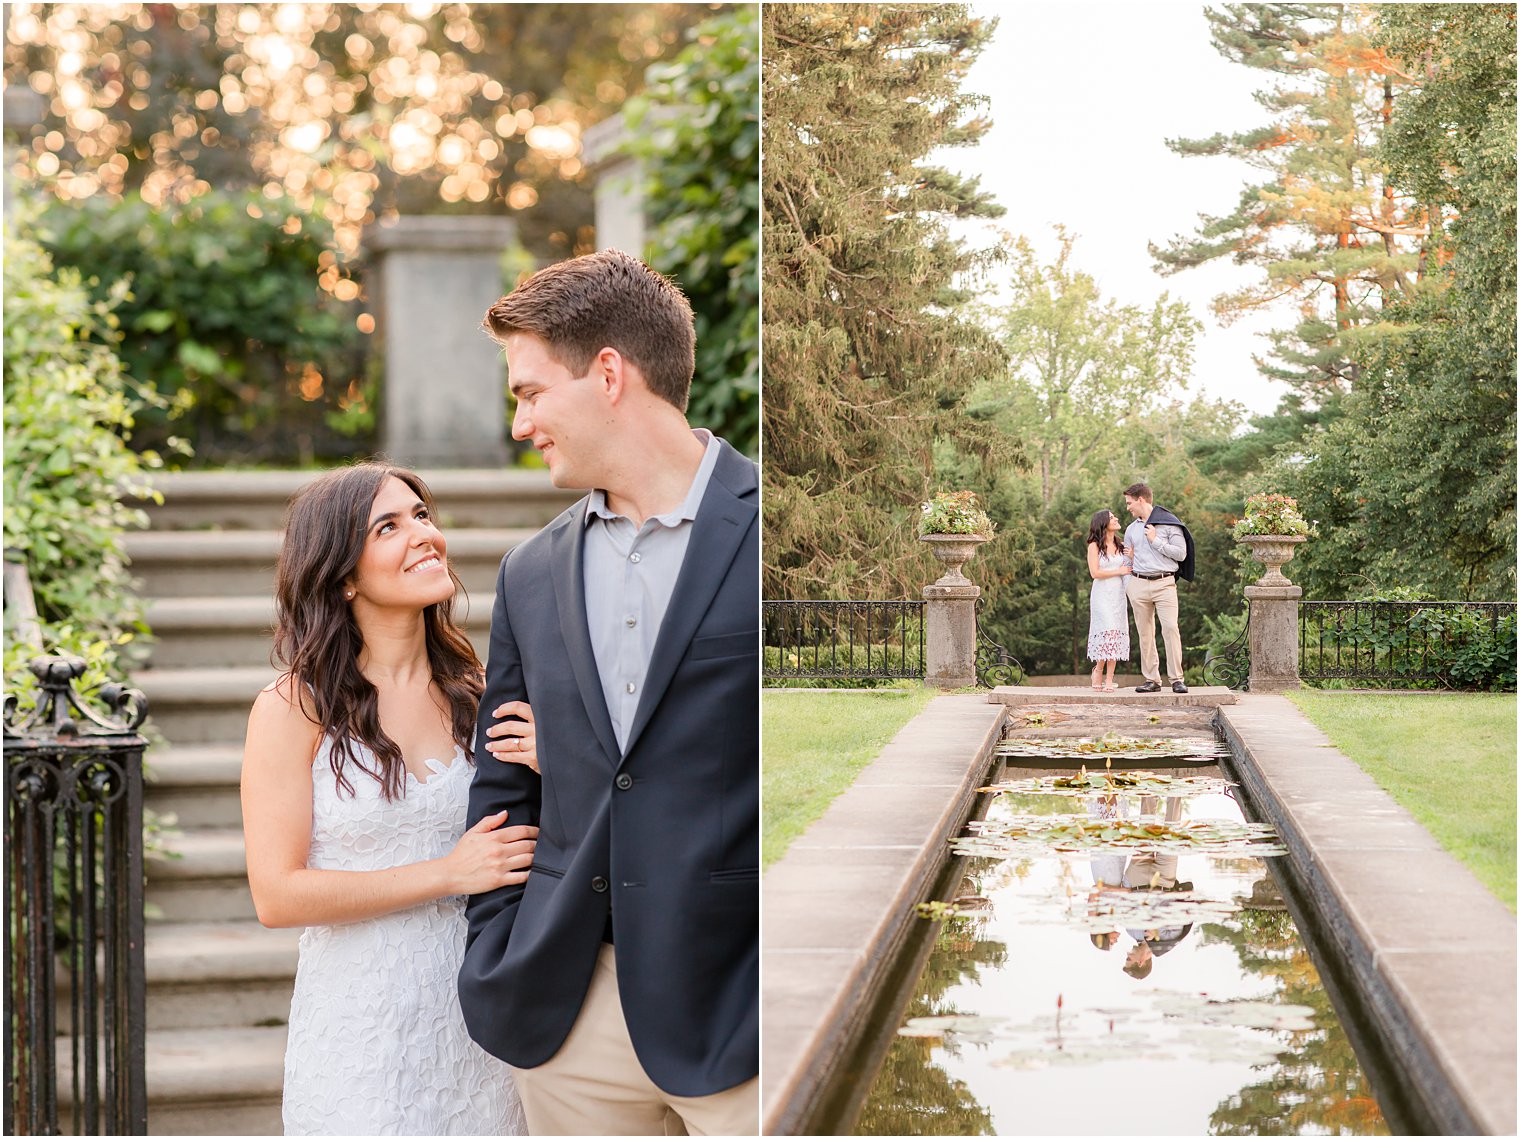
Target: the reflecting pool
pixel 1118 961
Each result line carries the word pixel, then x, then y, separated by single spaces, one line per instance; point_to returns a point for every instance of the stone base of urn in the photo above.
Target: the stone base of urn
pixel 1273 635
pixel 950 615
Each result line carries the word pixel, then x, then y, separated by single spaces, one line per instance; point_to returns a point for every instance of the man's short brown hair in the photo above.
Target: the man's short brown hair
pixel 606 300
pixel 1138 490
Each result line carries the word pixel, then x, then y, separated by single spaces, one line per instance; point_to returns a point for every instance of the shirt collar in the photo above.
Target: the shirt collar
pixel 596 505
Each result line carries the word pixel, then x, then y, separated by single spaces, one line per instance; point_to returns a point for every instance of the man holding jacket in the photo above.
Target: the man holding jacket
pixel 1161 550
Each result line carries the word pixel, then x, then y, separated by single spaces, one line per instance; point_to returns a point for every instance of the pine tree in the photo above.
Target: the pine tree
pixel 1326 227
pixel 868 357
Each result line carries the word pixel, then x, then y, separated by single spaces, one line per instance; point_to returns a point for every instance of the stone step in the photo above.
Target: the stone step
pixel 256 500
pixel 218 974
pixel 202 705
pixel 240 563
pixel 208 881
pixel 197 785
pixel 236 632
pixel 212 975
pixel 207 1081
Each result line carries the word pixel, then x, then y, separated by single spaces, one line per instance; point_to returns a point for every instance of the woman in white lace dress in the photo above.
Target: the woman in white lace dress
pixel 356 776
pixel 1108 620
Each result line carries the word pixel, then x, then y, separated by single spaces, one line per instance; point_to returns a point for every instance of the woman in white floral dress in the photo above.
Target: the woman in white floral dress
pixel 1108 612
pixel 356 779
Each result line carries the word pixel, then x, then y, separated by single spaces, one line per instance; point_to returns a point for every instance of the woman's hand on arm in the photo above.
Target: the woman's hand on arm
pixel 277 794
pixel 514 740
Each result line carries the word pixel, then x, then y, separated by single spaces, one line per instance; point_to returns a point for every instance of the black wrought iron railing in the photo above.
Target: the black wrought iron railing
pixel 843 640
pixel 1458 644
pixel 75 988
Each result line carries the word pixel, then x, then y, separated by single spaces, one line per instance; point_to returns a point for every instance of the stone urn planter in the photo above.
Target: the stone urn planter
pixel 954 550
pixel 1273 551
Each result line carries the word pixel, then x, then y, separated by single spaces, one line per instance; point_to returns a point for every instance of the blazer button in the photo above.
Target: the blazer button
pixel 623 781
pixel 599 884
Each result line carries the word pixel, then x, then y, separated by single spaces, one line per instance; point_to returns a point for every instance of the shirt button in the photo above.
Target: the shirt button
pixel 635 557
pixel 599 884
pixel 631 687
pixel 630 621
pixel 624 781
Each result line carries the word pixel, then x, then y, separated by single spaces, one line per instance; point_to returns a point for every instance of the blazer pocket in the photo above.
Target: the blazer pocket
pixel 725 645
pixel 541 868
pixel 741 874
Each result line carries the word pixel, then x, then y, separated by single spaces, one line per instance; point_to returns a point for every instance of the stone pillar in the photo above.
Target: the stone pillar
pixel 619 192
pixel 443 399
pixel 24 109
pixel 1273 637
pixel 950 635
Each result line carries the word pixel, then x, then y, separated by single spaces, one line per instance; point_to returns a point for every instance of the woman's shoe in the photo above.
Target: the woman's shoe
pixel 1110 687
pixel 1097 685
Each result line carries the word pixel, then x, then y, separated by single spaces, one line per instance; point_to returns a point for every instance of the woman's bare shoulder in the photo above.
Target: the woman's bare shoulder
pixel 283 713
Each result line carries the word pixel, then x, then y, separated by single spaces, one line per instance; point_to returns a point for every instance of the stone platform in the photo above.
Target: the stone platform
pixel 1016 695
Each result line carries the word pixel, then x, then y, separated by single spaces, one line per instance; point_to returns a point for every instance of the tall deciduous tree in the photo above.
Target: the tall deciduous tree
pixel 1326 227
pixel 868 357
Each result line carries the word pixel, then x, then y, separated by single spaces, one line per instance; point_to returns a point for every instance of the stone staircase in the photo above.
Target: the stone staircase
pixel 218 982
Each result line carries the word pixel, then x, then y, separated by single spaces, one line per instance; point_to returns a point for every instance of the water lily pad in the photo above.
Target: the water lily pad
pixel 1131 784
pixel 936 1026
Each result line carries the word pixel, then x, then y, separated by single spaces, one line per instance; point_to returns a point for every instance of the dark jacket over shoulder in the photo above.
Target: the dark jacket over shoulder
pixel 665 834
pixel 1161 516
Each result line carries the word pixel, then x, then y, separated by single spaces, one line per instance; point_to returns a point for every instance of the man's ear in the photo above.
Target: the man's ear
pixel 610 370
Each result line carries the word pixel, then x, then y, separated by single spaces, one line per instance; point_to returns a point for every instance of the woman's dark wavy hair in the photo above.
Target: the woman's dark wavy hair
pixel 317 640
pixel 1097 531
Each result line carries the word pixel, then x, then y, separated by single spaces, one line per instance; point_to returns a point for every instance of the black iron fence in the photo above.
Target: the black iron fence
pixel 1457 644
pixel 74 895
pixel 843 640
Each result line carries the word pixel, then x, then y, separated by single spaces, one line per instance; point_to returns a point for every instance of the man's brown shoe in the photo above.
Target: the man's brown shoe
pixel 1179 688
pixel 1148 686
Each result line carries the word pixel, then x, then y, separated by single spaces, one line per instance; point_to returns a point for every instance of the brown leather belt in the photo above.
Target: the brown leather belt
pixel 1153 576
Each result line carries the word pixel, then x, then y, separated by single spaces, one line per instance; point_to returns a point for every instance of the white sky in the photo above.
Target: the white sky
pixel 1083 97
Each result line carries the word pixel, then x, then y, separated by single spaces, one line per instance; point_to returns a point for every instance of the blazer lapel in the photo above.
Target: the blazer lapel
pixel 569 543
pixel 717 532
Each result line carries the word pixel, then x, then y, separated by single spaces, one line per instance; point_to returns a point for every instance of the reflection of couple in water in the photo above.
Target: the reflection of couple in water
pixel 1142 869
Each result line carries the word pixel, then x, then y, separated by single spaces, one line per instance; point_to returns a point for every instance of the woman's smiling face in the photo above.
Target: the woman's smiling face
pixel 405 560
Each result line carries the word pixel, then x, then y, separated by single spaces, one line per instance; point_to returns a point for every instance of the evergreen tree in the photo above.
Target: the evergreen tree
pixel 868 357
pixel 1424 454
pixel 1326 227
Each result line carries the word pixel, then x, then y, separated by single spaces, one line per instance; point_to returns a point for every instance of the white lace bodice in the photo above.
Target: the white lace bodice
pixel 377 1043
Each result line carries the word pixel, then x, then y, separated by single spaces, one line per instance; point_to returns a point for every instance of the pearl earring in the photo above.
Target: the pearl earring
pixel 348 595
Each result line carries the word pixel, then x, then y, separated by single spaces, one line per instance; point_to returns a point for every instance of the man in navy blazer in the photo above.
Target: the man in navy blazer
pixel 621 981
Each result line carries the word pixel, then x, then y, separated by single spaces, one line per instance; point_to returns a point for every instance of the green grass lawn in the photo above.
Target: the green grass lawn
pixel 1447 757
pixel 813 744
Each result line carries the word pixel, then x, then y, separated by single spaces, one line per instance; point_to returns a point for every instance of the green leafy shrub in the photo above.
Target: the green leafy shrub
pixel 225 317
pixel 701 145
pixel 69 409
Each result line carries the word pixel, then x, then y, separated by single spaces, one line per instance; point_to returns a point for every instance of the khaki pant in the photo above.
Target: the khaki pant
pixel 1149 600
pixel 595 1085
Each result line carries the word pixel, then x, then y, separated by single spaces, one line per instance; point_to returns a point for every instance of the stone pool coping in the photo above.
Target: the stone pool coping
pixel 837 906
pixel 1432 951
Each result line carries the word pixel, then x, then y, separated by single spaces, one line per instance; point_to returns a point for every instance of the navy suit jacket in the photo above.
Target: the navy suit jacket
pixel 665 833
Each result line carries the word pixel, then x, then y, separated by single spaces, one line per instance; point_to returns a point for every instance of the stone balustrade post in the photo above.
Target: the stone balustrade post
pixel 1273 637
pixel 950 635
pixel 443 399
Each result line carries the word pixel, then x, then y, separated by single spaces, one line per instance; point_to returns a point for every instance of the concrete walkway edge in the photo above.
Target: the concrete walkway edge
pixel 837 907
pixel 1428 948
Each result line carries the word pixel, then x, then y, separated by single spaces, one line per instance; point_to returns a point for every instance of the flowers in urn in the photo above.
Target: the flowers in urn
pixel 953 524
pixel 1275 514
pixel 954 512
pixel 1271 529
